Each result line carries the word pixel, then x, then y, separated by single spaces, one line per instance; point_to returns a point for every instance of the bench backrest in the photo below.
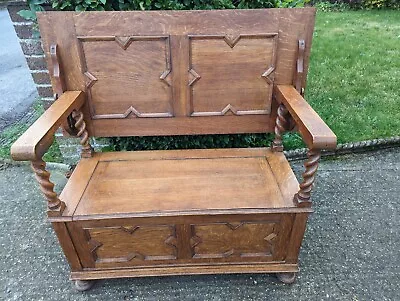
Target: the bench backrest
pixel 178 72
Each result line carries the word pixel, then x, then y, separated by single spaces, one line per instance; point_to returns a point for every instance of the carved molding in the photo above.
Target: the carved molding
pixel 233 250
pixel 232 41
pixel 132 111
pixel 124 42
pixel 95 245
pixel 230 108
pixel 193 77
pixel 267 73
pixel 90 79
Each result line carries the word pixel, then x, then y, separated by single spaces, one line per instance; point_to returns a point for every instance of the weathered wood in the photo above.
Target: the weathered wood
pixel 32 145
pixel 316 134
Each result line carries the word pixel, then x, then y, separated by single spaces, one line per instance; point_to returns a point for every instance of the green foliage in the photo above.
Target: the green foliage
pixel 381 4
pixel 100 5
pixel 326 6
pixel 189 142
pixel 353 81
pixel 10 134
pixel 340 5
pixel 34 5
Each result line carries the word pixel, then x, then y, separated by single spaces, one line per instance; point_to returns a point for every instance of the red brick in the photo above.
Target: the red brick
pixel 45 92
pixel 24 31
pixel 36 63
pixel 41 78
pixel 32 46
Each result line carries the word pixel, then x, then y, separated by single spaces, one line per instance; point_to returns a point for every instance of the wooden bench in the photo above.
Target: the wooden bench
pixel 150 213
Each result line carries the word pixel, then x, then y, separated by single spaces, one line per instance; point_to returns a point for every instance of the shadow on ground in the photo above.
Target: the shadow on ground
pixel 351 250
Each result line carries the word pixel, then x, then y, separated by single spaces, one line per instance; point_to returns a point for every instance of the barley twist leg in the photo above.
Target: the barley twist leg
pixel 83 134
pixel 54 204
pixel 280 126
pixel 302 198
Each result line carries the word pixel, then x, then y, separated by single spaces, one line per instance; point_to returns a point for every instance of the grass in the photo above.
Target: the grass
pixel 354 76
pixel 11 133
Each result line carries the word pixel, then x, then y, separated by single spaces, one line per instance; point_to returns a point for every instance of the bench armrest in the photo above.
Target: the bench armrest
pixel 316 134
pixel 34 143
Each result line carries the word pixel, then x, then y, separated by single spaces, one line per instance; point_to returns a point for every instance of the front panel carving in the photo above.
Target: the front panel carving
pixel 231 74
pixel 127 76
pixel 245 239
pixel 130 245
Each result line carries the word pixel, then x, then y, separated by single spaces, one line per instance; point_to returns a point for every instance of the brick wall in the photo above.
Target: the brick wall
pixel 33 51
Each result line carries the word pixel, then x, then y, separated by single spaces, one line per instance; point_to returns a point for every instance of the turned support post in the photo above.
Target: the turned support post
pixel 54 205
pixel 80 125
pixel 280 127
pixel 303 197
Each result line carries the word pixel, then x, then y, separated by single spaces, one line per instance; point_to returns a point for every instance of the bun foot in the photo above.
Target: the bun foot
pixel 84 285
pixel 287 278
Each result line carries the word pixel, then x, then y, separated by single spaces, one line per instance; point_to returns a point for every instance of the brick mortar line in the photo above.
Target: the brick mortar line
pixel 34 56
pixel 22 23
pixel 40 71
pixel 28 40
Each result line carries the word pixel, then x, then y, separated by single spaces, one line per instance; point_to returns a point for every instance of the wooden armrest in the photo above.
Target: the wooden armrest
pixel 316 134
pixel 37 139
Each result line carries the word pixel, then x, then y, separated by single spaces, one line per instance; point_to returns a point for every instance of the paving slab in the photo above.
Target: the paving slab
pixel 351 250
pixel 17 90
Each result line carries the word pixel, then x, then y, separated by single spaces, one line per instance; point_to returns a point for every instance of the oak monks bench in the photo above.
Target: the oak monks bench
pixel 178 212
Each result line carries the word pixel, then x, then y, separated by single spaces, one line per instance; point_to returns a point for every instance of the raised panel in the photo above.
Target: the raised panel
pixel 131 245
pixel 168 94
pixel 127 77
pixel 234 240
pixel 231 74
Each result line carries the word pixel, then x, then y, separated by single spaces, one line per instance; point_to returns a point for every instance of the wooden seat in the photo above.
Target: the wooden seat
pixel 152 213
pixel 140 183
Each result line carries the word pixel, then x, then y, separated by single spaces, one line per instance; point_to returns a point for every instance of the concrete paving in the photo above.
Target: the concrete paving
pixel 17 90
pixel 351 250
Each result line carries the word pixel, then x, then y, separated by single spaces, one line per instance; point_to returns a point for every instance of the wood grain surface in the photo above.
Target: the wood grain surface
pixel 178 72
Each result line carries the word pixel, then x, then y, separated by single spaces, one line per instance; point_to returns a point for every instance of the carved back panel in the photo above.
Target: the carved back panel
pixel 178 72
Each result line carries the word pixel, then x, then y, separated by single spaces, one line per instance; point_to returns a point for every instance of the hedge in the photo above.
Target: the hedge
pixel 356 4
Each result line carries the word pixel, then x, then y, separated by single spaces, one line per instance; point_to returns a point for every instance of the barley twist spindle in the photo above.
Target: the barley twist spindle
pixel 280 126
pixel 302 198
pixel 80 125
pixel 54 204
